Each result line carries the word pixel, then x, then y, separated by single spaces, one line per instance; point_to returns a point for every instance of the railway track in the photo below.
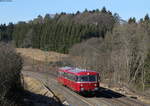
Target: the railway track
pixel 120 101
pixel 71 97
pixel 126 100
pixel 104 98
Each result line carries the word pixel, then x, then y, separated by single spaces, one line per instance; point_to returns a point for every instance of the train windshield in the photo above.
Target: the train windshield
pixel 87 78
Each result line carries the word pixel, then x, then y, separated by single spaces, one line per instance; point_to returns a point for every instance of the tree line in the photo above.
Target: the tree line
pixel 118 49
pixel 60 32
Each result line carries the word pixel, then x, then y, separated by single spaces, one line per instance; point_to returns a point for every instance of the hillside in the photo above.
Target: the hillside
pixel 61 32
pixel 39 55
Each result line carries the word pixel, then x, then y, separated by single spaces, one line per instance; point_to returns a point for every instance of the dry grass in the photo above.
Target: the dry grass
pixel 40 55
pixel 36 87
pixel 39 95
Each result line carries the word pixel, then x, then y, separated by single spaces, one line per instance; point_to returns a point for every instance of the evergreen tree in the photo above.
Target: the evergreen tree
pixel 59 33
pixel 85 11
pixel 47 18
pixel 146 18
pixel 104 10
pixel 132 20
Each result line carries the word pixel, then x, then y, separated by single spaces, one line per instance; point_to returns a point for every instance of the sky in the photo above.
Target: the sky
pixel 25 10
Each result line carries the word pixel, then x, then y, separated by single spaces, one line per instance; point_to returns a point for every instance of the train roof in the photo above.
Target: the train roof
pixel 76 70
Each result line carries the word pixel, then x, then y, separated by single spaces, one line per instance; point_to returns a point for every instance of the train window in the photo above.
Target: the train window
pixel 65 75
pixel 87 78
pixel 70 76
pixel 83 78
pixel 92 78
pixel 75 78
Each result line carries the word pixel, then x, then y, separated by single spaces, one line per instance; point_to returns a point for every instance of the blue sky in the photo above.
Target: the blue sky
pixel 24 10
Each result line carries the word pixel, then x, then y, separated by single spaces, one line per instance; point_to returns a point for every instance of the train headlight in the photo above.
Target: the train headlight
pixel 81 85
pixel 95 89
pixel 82 89
pixel 95 84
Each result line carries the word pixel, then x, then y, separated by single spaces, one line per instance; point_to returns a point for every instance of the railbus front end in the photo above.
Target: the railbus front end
pixel 88 83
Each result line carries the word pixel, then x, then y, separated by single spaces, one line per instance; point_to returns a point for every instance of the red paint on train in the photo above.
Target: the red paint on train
pixel 79 80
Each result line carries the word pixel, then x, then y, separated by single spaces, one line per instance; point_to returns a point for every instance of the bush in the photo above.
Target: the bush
pixel 10 81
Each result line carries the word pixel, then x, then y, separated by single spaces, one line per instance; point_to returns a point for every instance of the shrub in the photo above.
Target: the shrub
pixel 10 81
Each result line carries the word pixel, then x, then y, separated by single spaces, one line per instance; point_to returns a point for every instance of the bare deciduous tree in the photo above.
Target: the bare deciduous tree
pixel 120 57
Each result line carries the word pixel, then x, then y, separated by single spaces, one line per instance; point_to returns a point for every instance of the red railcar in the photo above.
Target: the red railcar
pixel 79 80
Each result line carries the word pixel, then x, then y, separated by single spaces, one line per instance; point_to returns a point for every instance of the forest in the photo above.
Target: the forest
pixel 60 32
pixel 118 49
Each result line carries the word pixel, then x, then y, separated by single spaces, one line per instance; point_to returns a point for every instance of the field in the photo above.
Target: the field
pixel 39 55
